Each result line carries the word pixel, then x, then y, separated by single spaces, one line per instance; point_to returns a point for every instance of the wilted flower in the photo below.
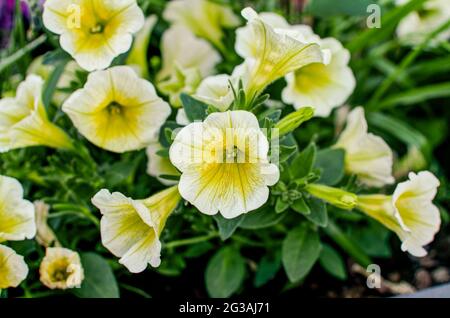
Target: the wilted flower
pixel 45 235
pixel 17 220
pixel 158 165
pixel 417 25
pixel 203 17
pixel 130 228
pixel 186 60
pixel 24 122
pixel 94 32
pixel 409 212
pixel 116 110
pixel 274 54
pixel 366 155
pixel 13 269
pixel 224 164
pixel 137 58
pixel 61 269
pixel 216 91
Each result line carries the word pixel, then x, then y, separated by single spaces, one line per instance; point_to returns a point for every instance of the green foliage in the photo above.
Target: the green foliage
pixel 332 262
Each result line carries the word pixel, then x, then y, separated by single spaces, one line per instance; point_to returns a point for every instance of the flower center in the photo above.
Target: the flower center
pixel 114 108
pixel 98 28
pixel 60 274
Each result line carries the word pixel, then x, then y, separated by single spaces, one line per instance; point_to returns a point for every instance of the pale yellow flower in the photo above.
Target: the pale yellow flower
pixel 116 110
pixel 45 235
pixel 186 60
pixel 137 57
pixel 13 269
pixel 130 228
pixel 61 269
pixel 366 155
pixel 417 25
pixel 158 165
pixel 409 212
pixel 24 122
pixel 274 54
pixel 204 18
pixel 17 220
pixel 224 164
pixel 94 32
pixel 216 91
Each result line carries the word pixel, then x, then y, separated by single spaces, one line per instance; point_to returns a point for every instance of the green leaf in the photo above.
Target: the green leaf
pixel 261 219
pixel 332 262
pixel 300 251
pixel 52 82
pixel 281 206
pixel 319 214
pixel 373 239
pixel 227 226
pixel 99 281
pixel 300 206
pixel 166 133
pixel 327 8
pixel 268 267
pixel 195 109
pixel 302 165
pixel 225 273
pixel 331 164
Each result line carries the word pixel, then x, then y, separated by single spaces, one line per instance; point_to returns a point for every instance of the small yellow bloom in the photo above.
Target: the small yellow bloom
pixel 45 235
pixel 216 91
pixel 186 60
pixel 17 220
pixel 366 155
pixel 13 269
pixel 138 54
pixel 116 110
pixel 130 228
pixel 275 54
pixel 409 212
pixel 204 18
pixel 61 269
pixel 94 32
pixel 224 164
pixel 158 165
pixel 417 25
pixel 24 122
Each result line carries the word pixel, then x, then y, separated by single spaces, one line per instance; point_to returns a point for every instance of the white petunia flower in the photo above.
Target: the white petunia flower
pixel 117 111
pixel 216 91
pixel 409 212
pixel 366 155
pixel 130 228
pixel 13 269
pixel 204 18
pixel 224 164
pixel 61 269
pixel 417 25
pixel 93 32
pixel 17 220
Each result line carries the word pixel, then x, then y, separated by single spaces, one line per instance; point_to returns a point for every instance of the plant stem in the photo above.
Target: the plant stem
pixel 192 240
pixel 22 52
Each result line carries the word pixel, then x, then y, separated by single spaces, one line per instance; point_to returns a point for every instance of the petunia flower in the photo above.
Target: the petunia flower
pixel 224 164
pixel 13 269
pixel 61 269
pixel 216 90
pixel 44 235
pixel 24 122
pixel 130 229
pixel 204 18
pixel 409 212
pixel 158 165
pixel 94 32
pixel 275 54
pixel 17 221
pixel 186 60
pixel 417 25
pixel 116 110
pixel 137 58
pixel 366 155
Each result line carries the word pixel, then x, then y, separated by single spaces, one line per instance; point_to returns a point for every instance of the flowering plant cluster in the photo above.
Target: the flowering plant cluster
pixel 149 135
